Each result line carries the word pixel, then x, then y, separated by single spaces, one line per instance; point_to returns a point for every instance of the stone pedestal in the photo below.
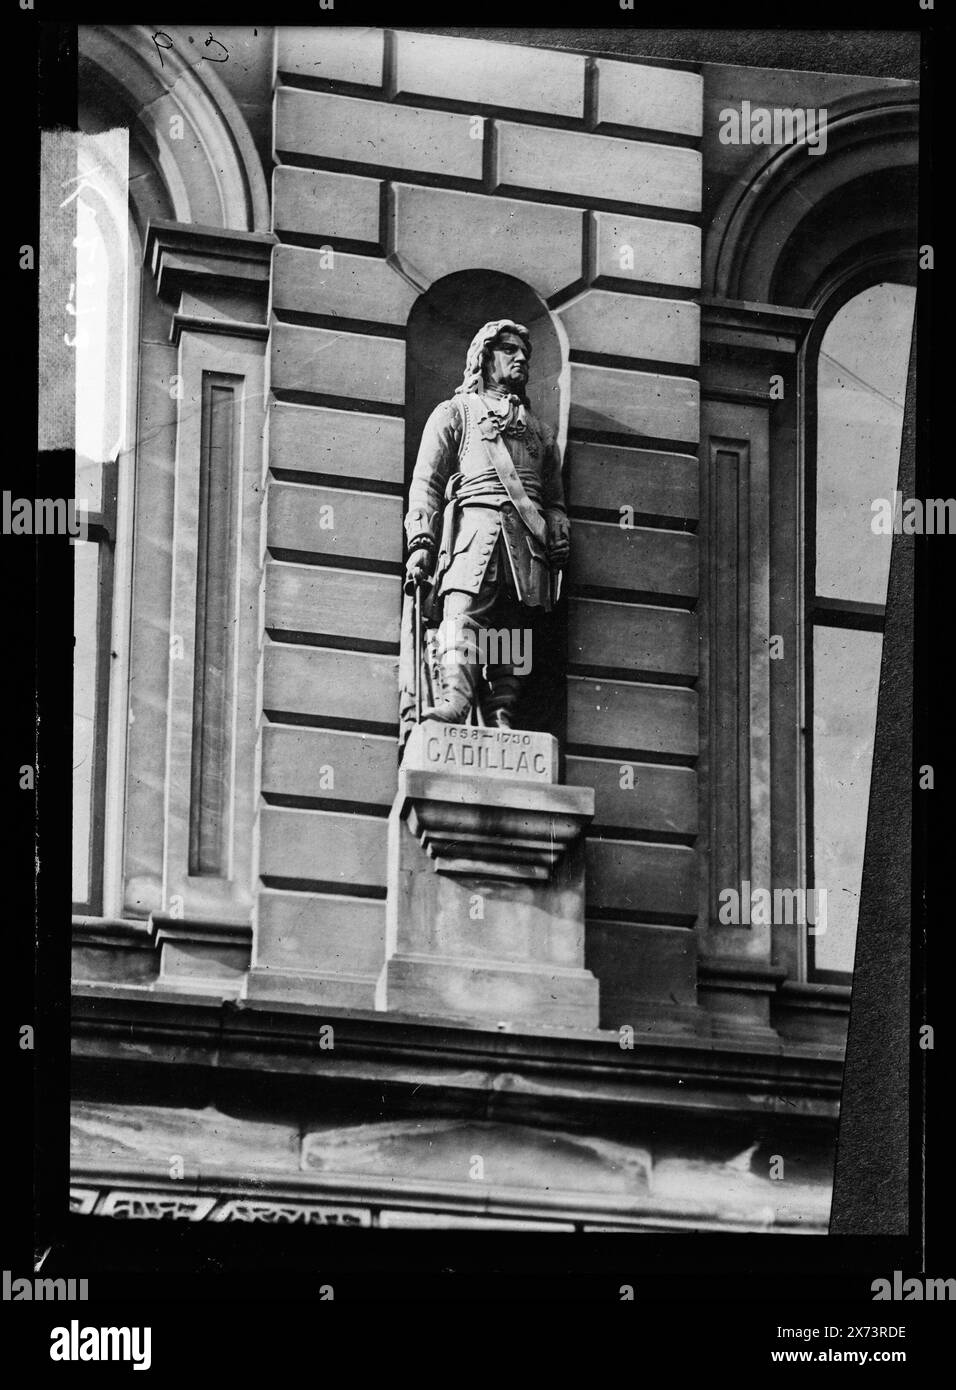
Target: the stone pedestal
pixel 485 910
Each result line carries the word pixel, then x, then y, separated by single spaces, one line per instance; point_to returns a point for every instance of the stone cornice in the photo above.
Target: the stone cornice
pixel 548 1073
pixel 148 934
pixel 754 327
pixel 815 997
pixel 183 256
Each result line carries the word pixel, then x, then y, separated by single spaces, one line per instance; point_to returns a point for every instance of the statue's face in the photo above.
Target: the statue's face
pixel 508 362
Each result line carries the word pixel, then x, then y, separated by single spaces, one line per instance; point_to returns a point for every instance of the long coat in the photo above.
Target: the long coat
pixel 483 511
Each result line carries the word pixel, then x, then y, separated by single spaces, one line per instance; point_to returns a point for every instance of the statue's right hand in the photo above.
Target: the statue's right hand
pixel 418 566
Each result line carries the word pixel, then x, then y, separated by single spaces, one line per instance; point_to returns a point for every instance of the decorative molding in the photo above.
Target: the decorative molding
pixel 735 978
pixel 238 367
pixel 113 931
pixel 290 1213
pixel 755 229
pixel 187 256
pixel 155 1206
pixel 213 175
pixel 814 997
pixel 448 1205
pixel 541 1074
pixel 516 830
pixel 748 976
pixel 160 927
pixel 226 328
pixel 762 328
pixel 199 931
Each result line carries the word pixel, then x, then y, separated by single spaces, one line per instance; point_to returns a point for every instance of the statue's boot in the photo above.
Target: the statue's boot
pixel 459 675
pixel 500 703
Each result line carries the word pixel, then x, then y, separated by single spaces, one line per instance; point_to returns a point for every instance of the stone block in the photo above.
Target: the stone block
pixel 649 98
pixel 184 961
pixel 610 556
pixel 316 989
pixel 340 603
pixel 598 167
pixel 654 484
pixel 313 202
pixel 635 963
pixel 326 521
pixel 338 285
pixel 322 847
pixel 638 796
pixel 630 877
pixel 340 443
pixel 320 125
pixel 609 400
pixel 496 74
pixel 647 249
pixel 529 996
pixel 334 53
pixel 332 363
pixel 631 637
pixel 625 715
pixel 325 683
pixel 438 232
pixel 328 933
pixel 627 325
pixel 329 764
pixel 495 753
pixel 113 965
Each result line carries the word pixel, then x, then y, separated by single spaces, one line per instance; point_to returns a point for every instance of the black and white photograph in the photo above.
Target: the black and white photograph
pixel 491 521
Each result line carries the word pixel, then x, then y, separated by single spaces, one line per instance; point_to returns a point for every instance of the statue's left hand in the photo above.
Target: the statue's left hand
pixel 559 549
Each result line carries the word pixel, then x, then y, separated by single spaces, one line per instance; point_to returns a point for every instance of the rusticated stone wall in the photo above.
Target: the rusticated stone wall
pixel 401 159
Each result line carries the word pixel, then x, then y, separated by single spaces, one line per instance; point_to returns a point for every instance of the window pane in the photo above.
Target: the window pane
pixel 861 389
pixel 92 307
pixel 86 572
pixel 101 293
pixel 846 677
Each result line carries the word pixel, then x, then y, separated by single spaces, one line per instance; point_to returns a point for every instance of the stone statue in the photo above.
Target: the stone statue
pixel 487 531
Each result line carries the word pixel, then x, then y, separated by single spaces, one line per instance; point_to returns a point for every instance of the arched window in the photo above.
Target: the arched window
pixel 861 371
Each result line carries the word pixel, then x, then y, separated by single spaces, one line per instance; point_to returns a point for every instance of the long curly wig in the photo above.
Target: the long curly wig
pixel 481 348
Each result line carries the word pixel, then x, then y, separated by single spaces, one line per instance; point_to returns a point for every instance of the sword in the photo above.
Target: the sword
pixel 418 653
pixel 412 586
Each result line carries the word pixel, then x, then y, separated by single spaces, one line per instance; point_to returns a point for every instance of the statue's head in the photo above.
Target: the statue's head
pixel 500 354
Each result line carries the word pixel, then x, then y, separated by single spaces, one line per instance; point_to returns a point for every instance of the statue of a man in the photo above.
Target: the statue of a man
pixel 487 525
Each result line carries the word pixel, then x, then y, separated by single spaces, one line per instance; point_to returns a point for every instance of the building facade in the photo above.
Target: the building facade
pixel 299 239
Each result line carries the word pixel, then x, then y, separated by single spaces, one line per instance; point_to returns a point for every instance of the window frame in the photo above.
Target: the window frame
pixel 101 532
pixel 819 610
pixel 110 528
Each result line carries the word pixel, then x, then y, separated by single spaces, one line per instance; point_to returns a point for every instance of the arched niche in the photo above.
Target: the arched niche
pixel 440 328
pixel 443 322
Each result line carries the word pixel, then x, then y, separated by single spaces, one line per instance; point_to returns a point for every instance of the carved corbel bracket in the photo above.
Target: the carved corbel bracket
pixel 497 829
